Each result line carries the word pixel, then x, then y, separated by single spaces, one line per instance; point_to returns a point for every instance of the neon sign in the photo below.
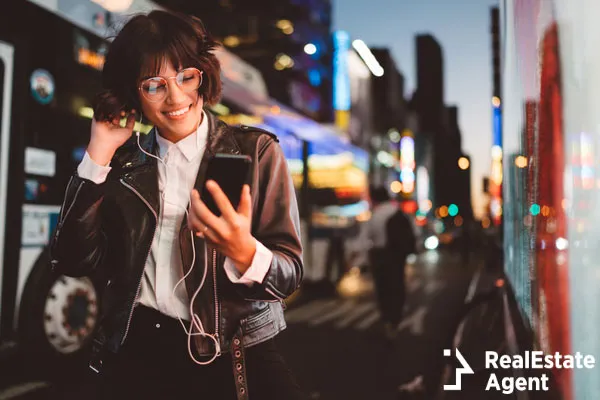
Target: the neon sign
pixel 90 58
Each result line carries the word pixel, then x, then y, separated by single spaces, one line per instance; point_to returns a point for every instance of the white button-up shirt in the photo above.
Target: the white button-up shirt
pixel 176 178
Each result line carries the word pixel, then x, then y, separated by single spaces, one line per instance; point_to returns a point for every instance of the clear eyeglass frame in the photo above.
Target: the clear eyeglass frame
pixel 180 80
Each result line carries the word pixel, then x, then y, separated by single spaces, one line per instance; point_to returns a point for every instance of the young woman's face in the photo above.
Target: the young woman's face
pixel 177 112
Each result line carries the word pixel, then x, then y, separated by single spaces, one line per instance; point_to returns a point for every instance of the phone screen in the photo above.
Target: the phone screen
pixel 231 172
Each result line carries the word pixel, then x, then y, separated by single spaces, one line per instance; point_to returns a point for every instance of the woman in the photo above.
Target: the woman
pixel 193 301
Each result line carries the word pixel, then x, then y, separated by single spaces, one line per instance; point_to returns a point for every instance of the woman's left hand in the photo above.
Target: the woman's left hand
pixel 229 233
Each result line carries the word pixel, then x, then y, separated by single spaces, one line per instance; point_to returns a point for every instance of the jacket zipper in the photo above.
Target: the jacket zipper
pixel 214 265
pixel 64 214
pixel 139 287
pixel 62 209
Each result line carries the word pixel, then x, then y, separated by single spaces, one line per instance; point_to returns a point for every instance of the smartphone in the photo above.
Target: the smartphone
pixel 231 172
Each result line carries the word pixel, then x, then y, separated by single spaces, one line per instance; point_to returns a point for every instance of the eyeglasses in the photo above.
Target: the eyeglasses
pixel 156 88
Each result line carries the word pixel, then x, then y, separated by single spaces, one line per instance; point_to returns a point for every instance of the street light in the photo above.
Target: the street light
pixel 368 57
pixel 463 163
pixel 521 162
pixel 310 49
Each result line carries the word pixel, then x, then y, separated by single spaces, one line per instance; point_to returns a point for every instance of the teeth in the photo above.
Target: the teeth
pixel 179 112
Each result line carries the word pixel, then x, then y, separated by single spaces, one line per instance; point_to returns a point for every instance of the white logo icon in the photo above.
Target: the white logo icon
pixel 464 369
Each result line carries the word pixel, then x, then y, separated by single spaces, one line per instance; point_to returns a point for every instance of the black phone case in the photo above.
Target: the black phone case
pixel 231 172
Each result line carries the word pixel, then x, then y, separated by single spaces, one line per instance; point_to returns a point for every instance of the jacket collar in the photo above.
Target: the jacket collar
pixel 140 171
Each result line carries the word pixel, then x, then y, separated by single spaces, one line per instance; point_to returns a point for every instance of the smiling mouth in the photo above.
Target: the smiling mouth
pixel 178 113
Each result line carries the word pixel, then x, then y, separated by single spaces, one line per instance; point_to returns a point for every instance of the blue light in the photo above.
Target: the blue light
pixel 314 77
pixel 497 111
pixel 407 175
pixel 341 77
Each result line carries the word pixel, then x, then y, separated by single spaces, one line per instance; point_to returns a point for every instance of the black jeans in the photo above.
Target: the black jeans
pixel 154 364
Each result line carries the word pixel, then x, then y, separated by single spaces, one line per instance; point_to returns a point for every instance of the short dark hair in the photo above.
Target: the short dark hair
pixel 140 49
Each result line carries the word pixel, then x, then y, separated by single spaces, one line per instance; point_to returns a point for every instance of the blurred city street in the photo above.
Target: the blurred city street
pixel 337 345
pixel 462 137
pixel 335 341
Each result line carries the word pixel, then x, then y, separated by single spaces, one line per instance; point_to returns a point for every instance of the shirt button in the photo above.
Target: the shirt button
pixel 157 326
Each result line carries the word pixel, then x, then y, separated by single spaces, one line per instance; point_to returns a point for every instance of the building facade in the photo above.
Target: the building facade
pixel 288 41
pixel 551 138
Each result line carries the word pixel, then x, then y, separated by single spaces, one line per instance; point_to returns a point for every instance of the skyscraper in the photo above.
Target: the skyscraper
pixel 429 96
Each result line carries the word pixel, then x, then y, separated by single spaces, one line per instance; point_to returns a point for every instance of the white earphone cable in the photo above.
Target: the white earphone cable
pixel 195 322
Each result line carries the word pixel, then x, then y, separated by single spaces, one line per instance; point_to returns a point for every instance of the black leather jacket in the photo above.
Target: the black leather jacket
pixel 106 231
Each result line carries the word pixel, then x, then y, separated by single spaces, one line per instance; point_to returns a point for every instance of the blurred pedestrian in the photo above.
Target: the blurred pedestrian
pixel 392 239
pixel 164 334
pixel 335 262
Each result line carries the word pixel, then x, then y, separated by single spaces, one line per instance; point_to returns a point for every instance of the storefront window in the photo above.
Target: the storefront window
pixel 551 107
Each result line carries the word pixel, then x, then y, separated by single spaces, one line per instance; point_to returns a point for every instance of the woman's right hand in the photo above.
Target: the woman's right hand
pixel 108 136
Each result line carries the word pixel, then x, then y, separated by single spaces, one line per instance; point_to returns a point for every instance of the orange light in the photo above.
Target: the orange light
pixel 545 211
pixel 90 58
pixel 521 162
pixel 396 187
pixel 408 187
pixel 443 211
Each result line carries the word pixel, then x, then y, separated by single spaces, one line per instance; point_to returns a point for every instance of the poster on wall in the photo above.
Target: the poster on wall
pixel 42 86
pixel 38 223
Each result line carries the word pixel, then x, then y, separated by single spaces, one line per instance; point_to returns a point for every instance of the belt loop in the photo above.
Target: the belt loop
pixel 239 366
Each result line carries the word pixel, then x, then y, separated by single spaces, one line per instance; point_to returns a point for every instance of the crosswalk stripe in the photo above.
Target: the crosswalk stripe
pixel 309 310
pixel 415 321
pixel 367 322
pixel 333 313
pixel 22 389
pixel 356 313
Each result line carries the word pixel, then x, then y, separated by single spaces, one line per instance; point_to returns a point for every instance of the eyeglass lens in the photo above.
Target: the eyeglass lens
pixel 156 88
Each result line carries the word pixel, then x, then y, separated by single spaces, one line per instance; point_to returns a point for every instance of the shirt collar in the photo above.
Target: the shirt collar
pixel 190 146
